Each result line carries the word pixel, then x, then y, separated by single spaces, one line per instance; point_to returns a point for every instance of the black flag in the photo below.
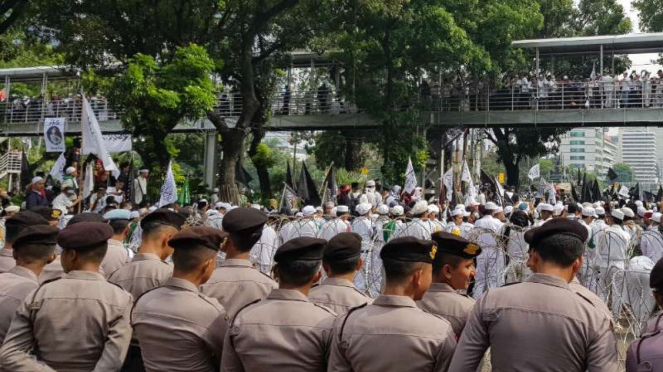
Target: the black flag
pixel 26 172
pixel 659 195
pixel 579 177
pixel 612 175
pixel 306 188
pixel 289 179
pixel 585 192
pixel 636 192
pixel 574 193
pixel 330 186
pixel 596 192
pixel 289 195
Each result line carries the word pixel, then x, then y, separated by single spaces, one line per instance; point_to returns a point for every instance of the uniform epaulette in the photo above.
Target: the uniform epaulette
pixel 325 308
pixel 207 299
pixel 34 295
pixel 131 314
pixel 240 310
pixel 50 281
pixel 117 285
pixel 347 315
pixel 508 284
pixel 585 298
pixel 360 292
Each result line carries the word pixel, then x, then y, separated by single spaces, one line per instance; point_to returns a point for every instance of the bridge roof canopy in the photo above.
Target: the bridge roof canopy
pixel 634 43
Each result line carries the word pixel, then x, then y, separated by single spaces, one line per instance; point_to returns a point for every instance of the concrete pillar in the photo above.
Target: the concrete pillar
pixel 210 159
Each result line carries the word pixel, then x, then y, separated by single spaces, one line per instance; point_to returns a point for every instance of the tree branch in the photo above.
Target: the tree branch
pixel 263 18
pixel 267 52
pixel 218 122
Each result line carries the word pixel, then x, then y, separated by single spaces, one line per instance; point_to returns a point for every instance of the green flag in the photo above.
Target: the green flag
pixel 185 196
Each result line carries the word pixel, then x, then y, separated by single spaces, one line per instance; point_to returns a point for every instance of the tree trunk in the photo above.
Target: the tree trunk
pixel 352 153
pixel 261 168
pixel 512 174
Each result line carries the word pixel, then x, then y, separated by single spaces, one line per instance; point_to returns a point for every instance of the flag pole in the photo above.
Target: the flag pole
pixel 282 196
pixel 324 185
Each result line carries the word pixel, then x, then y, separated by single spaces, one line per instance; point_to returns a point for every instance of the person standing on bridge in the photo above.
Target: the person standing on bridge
pixel 625 85
pixel 607 86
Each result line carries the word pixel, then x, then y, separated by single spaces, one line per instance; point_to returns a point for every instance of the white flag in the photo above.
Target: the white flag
pixel 467 176
pixel 550 190
pixel 593 74
pixel 88 184
pixel 471 190
pixel 169 188
pixel 534 172
pixel 410 178
pixel 623 191
pixel 58 168
pixel 93 142
pixel 448 181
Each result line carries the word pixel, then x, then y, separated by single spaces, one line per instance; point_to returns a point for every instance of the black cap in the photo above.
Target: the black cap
pixel 343 246
pixel 243 219
pixel 656 276
pixel 84 235
pixel 205 236
pixel 37 235
pixel 87 217
pixel 409 248
pixel 164 216
pixel 48 213
pixel 25 219
pixel 304 248
pixel 455 245
pixel 559 226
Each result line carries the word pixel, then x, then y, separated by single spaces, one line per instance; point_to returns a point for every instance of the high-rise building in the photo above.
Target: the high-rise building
pixel 638 149
pixel 588 149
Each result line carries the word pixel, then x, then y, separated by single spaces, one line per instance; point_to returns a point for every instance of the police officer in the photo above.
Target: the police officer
pixel 177 327
pixel 34 248
pixel 453 269
pixel 237 283
pixel 409 339
pixel 77 323
pixel 542 316
pixel 341 261
pixel 285 330
pixel 148 269
pixel 645 353
pixel 13 226
pixel 117 255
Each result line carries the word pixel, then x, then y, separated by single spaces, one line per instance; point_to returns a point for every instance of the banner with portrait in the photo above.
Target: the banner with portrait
pixel 54 134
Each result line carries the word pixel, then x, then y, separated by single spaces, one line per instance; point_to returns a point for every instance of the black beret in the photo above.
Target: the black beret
pixel 87 217
pixel 206 236
pixel 37 234
pixel 243 219
pixel 164 216
pixel 558 226
pixel 48 213
pixel 25 219
pixel 455 245
pixel 656 276
pixel 343 246
pixel 84 235
pixel 304 248
pixel 409 248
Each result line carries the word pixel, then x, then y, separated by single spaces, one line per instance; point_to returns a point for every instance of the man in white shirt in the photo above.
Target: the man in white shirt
pixel 625 85
pixel 545 214
pixel 417 227
pixel 608 88
pixel 337 225
pixel 611 252
pixel 490 263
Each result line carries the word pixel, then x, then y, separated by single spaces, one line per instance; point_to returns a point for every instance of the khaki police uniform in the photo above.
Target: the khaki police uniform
pixel 74 324
pixel 14 286
pixel 144 272
pixel 116 257
pixel 338 294
pixel 538 325
pixel 7 260
pixel 52 271
pixel 392 334
pixel 236 283
pixel 179 329
pixel 442 300
pixel 283 332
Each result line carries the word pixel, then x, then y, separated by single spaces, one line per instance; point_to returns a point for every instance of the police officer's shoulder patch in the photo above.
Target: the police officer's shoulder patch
pixel 325 308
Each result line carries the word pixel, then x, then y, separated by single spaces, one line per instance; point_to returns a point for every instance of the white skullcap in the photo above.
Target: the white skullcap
pixel 490 206
pixel 558 209
pixel 589 212
pixel 36 180
pixel 600 211
pixel 216 189
pixel 219 205
pixel 397 210
pixel 134 214
pixel 641 211
pixel 256 206
pixel 585 204
pixel 153 208
pixel 319 209
pixel 618 214
pixel 144 171
pixel 508 210
pixel 638 203
pixel 299 214
pixel 308 210
pixel 419 207
pixel 545 207
pixel 657 217
pixel 498 210
pixel 333 211
pixel 596 205
pixel 628 212
pixel 433 209
pixel 203 201
pixel 383 209
pixel 457 211
pixel 12 208
pixel 363 208
pixel 342 209
pixel 370 183
pixel 70 170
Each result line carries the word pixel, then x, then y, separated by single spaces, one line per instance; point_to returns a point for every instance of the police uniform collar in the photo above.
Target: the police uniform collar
pixel 287 294
pixel 6 252
pixel 118 243
pixel 338 282
pixel 84 275
pixel 181 284
pixel 548 280
pixel 145 257
pixel 441 287
pixel 24 273
pixel 236 262
pixel 394 301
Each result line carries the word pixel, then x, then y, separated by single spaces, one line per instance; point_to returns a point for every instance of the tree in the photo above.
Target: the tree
pixel 11 12
pixel 624 171
pixel 154 97
pixel 651 14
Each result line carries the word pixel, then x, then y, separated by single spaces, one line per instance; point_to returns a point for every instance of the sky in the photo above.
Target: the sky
pixel 640 61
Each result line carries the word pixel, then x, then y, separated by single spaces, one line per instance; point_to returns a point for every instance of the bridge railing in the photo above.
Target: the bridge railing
pixel 564 95
pixel 229 105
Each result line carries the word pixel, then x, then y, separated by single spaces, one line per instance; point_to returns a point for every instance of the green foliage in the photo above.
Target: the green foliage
pixel 345 177
pixel 264 156
pixel 624 172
